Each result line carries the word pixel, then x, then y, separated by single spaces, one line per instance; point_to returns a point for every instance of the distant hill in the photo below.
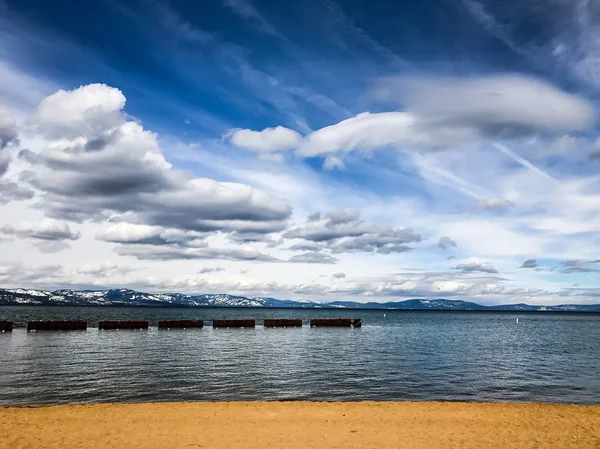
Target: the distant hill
pixel 126 297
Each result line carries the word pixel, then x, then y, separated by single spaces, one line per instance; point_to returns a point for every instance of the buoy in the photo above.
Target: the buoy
pixel 517 321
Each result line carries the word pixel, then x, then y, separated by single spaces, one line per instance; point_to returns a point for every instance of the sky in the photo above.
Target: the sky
pixel 311 150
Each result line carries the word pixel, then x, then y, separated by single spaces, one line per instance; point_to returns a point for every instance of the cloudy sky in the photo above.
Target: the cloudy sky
pixel 316 149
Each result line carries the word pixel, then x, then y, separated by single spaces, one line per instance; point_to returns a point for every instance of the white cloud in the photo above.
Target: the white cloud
pixel 367 132
pixel 94 164
pixel 438 113
pixel 268 140
pixel 493 203
pixel 494 104
pixel 46 229
pixel 84 112
pixel 332 163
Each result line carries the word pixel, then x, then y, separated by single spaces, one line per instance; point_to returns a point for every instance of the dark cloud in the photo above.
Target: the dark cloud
pixel 49 230
pixel 446 242
pixel 339 275
pixel 577 266
pixel 343 216
pixel 530 263
pixel 255 237
pixel 8 129
pixel 150 252
pixel 314 216
pixel 475 267
pixel 306 246
pixel 344 231
pixel 11 191
pixel 312 257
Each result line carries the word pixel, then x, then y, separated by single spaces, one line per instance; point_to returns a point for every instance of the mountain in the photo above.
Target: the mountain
pixel 126 297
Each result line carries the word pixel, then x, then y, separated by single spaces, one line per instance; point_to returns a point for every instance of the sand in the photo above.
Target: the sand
pixel 302 425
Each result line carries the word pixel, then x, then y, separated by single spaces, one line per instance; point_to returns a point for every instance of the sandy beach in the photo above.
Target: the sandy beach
pixel 302 425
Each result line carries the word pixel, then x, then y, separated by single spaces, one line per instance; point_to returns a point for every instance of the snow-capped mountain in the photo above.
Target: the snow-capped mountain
pixel 126 297
pixel 122 297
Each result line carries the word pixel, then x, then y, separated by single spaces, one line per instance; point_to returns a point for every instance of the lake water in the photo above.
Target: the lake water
pixel 404 355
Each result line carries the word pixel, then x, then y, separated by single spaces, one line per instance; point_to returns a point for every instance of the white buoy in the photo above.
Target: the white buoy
pixel 384 315
pixel 517 321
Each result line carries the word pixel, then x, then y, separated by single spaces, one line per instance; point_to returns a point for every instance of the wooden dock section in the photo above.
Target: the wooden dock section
pixel 70 325
pixel 233 323
pixel 6 326
pixel 282 323
pixel 181 324
pixel 130 324
pixel 335 322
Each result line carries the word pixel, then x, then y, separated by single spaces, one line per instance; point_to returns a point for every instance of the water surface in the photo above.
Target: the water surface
pixel 404 355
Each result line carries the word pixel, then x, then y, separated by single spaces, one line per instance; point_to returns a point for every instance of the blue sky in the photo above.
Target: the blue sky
pixel 421 149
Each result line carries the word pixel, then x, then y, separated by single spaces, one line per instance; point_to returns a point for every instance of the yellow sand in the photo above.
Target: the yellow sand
pixel 302 424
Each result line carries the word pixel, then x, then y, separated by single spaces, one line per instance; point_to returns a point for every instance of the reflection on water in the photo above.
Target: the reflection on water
pixel 402 356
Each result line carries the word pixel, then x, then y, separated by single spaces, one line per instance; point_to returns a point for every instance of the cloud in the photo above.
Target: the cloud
pixel 446 242
pixel 493 204
pixel 104 269
pixel 252 237
pixel 134 234
pixel 475 267
pixel 8 135
pixel 151 252
pixel 530 263
pixel 504 105
pixel 332 163
pixel 367 132
pixel 48 235
pixel 437 113
pixel 96 164
pixel 11 191
pixel 316 216
pixel 577 266
pixel 8 128
pixel 312 257
pixel 46 229
pixel 210 270
pixel 306 246
pixel 344 231
pixel 339 275
pixel 268 140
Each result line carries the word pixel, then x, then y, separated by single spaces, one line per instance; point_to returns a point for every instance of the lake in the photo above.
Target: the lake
pixel 395 356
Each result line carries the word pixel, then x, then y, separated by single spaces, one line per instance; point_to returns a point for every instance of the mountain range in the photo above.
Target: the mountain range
pixel 126 297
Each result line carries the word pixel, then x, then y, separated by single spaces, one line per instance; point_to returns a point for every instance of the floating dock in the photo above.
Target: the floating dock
pixel 181 324
pixel 282 323
pixel 130 324
pixel 335 322
pixel 70 325
pixel 233 323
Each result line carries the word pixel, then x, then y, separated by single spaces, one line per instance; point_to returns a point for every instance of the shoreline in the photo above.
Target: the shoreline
pixel 299 424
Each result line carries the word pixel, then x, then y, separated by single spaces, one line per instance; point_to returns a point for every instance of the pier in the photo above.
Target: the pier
pixel 181 324
pixel 129 324
pixel 234 323
pixel 70 325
